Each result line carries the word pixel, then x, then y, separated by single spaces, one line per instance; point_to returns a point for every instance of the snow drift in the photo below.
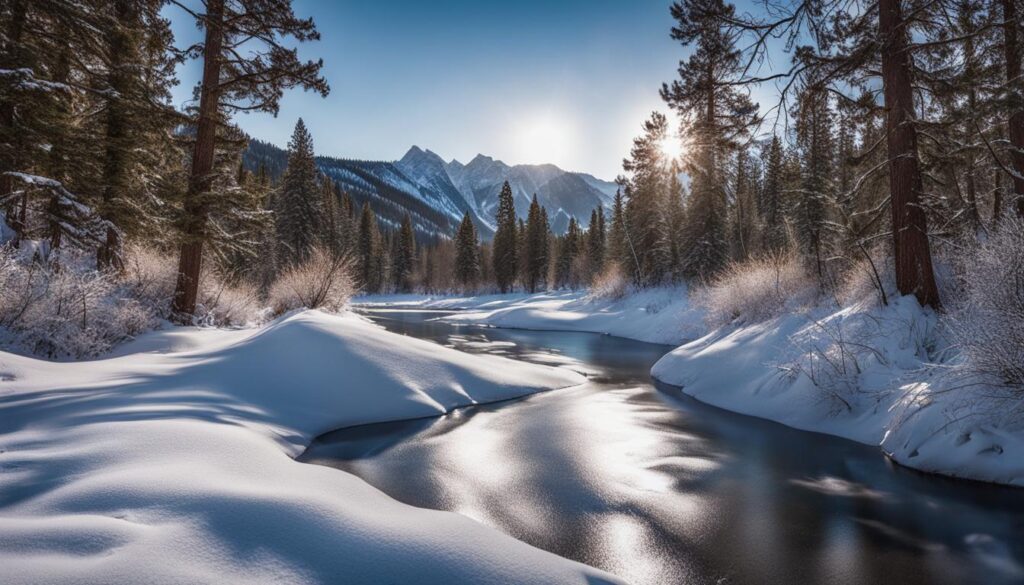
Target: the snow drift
pixel 173 462
pixel 863 372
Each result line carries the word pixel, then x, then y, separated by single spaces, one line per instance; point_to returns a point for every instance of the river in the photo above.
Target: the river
pixel 658 488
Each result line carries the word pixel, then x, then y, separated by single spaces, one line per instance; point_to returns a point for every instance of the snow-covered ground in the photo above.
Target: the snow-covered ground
pixel 863 372
pixel 172 462
pixel 657 315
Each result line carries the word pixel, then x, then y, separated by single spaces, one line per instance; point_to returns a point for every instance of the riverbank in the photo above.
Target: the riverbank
pixel 657 315
pixel 884 376
pixel 173 462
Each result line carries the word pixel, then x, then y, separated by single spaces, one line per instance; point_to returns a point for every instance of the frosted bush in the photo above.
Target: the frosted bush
pixel 612 283
pixel 222 303
pixel 60 312
pixel 324 281
pixel 150 276
pixel 869 276
pixel 988 326
pixel 70 310
pixel 757 290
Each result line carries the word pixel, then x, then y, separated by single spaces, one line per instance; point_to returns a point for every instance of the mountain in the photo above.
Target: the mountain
pixel 437 193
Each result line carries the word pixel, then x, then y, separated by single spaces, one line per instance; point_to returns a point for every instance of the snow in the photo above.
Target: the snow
pixel 656 315
pixel 865 373
pixel 172 461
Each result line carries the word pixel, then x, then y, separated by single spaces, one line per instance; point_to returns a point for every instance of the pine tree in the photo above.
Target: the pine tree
pixel 618 246
pixel 135 89
pixel 596 242
pixel 716 115
pixel 815 143
pixel 404 256
pixel 467 254
pixel 369 250
pixel 568 251
pixel 774 231
pixel 675 214
pixel 648 185
pixel 300 203
pixel 535 247
pixel 505 254
pixel 230 82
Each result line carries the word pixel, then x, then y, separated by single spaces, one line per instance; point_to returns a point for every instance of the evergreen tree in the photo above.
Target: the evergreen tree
pixel 596 242
pixel 648 185
pixel 404 256
pixel 230 82
pixel 675 214
pixel 815 143
pixel 535 247
pixel 300 203
pixel 467 254
pixel 568 251
pixel 618 245
pixel 369 251
pixel 505 254
pixel 716 115
pixel 774 232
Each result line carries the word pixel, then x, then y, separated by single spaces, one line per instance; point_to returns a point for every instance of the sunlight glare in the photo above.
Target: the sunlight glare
pixel 671 147
pixel 545 139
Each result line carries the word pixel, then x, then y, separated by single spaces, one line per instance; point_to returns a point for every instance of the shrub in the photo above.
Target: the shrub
pixel 988 326
pixel 757 290
pixel 58 311
pixel 612 283
pixel 324 281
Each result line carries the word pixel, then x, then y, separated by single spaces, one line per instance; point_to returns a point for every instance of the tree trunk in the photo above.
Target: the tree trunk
pixel 15 216
pixel 108 255
pixel 914 273
pixel 201 177
pixel 1011 49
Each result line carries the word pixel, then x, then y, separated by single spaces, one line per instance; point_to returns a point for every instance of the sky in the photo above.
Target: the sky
pixel 567 82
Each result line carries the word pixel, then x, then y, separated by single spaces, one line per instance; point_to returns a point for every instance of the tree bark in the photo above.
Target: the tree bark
pixel 15 211
pixel 108 255
pixel 914 272
pixel 190 258
pixel 1012 54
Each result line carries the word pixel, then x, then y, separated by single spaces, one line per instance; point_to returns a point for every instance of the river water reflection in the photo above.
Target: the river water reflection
pixel 659 489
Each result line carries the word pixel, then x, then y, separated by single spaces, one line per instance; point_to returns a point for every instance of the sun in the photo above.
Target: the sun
pixel 543 138
pixel 671 147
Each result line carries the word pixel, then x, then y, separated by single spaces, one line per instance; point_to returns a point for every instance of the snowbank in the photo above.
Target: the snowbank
pixel 657 315
pixel 861 372
pixel 173 464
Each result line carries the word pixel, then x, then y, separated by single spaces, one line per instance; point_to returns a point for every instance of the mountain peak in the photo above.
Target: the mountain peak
pixel 417 155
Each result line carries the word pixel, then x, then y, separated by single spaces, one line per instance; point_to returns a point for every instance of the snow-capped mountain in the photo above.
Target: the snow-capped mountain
pixel 437 193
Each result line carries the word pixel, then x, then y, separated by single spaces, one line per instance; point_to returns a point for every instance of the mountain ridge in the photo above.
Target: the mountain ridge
pixel 437 193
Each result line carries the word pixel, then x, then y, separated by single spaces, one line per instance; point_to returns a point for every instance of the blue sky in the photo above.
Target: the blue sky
pixel 567 82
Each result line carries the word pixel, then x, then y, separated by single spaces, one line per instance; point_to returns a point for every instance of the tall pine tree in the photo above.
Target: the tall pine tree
pixel 505 254
pixel 467 254
pixel 301 219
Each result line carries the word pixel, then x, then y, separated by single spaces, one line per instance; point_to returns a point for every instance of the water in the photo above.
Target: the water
pixel 660 489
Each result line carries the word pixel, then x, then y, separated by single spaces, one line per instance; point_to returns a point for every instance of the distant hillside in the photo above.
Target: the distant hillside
pixel 437 193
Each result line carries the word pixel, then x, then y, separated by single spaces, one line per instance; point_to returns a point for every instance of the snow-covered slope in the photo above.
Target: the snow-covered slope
pixel 861 372
pixel 174 464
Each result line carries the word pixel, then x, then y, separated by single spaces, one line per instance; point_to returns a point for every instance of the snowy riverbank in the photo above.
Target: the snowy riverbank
pixel 657 315
pixel 882 376
pixel 877 375
pixel 172 462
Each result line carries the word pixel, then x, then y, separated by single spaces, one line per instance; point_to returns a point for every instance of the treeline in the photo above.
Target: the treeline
pixel 93 157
